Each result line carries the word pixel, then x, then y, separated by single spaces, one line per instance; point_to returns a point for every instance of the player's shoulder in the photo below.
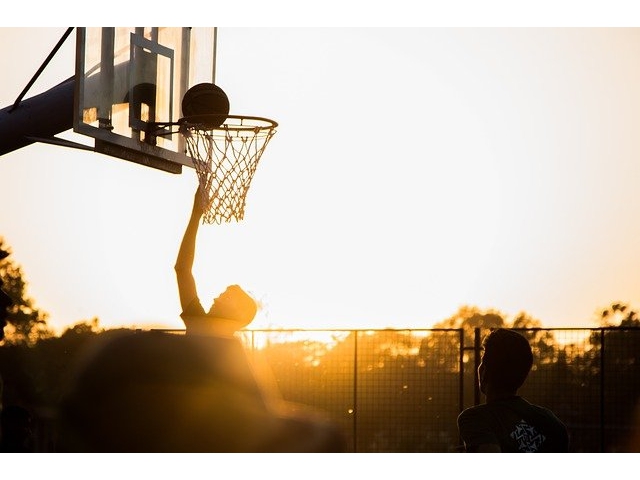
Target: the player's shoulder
pixel 474 409
pixel 473 412
pixel 193 309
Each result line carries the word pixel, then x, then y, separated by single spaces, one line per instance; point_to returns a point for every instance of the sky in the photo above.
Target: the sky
pixel 414 170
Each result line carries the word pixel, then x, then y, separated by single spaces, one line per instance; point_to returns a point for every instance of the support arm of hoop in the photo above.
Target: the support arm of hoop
pixel 184 263
pixel 162 129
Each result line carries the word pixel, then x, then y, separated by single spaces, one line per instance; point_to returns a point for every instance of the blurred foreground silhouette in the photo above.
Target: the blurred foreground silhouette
pixel 162 392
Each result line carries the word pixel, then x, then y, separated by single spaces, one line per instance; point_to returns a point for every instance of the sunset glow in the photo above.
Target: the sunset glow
pixel 414 170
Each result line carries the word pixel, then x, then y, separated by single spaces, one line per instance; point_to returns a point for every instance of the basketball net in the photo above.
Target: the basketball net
pixel 225 159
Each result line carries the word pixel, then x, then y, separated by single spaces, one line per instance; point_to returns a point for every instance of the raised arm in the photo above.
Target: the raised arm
pixel 184 262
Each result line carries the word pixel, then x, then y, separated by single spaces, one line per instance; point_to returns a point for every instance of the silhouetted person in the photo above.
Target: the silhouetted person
pixel 507 422
pixel 229 312
pixel 17 435
pixel 163 392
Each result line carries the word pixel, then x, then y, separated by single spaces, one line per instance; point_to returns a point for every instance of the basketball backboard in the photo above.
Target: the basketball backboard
pixel 127 78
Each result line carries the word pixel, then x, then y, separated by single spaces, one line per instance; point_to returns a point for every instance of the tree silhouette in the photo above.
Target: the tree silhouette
pixel 619 314
pixel 26 323
pixel 471 317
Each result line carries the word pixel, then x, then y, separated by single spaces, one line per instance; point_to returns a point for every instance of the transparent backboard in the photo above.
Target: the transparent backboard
pixel 128 78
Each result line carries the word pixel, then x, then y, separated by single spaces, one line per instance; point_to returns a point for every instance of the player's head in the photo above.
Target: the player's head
pixel 5 301
pixel 234 304
pixel 506 361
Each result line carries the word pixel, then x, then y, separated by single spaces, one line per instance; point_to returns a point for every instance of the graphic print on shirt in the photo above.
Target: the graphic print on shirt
pixel 527 437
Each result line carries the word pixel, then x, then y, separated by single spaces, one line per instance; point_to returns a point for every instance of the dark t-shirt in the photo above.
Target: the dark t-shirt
pixel 514 424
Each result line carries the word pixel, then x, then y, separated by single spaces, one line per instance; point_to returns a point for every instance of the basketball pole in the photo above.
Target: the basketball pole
pixel 39 118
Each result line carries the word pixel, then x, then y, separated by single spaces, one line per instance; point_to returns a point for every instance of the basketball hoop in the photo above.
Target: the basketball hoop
pixel 225 157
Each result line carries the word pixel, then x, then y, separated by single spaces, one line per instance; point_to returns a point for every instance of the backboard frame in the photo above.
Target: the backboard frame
pixel 128 79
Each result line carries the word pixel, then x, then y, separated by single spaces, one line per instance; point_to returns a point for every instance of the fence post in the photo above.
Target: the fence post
pixel 602 385
pixel 355 391
pixel 461 367
pixel 476 363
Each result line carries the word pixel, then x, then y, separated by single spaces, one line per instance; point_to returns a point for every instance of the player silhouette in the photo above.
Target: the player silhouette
pixel 197 392
pixel 507 422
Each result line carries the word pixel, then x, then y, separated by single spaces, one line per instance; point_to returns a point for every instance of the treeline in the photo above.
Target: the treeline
pixel 390 390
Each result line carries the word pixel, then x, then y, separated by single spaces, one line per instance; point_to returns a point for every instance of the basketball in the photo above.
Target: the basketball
pixel 206 99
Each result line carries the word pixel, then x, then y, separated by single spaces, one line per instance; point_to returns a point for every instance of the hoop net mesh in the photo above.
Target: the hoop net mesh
pixel 225 159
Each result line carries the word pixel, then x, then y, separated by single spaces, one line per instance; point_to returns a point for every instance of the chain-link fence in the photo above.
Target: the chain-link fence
pixel 402 390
